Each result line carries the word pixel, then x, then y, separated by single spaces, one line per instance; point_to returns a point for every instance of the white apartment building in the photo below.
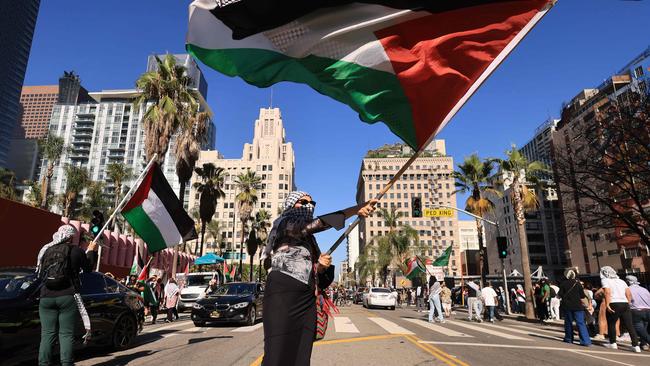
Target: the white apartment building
pixel 271 158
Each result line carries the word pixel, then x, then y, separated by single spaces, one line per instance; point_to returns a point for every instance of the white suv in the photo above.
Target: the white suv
pixel 194 288
pixel 379 296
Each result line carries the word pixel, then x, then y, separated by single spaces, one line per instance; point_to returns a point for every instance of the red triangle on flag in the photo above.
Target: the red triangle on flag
pixel 144 274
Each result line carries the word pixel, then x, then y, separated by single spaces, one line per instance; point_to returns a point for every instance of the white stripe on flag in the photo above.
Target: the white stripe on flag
pixel 157 212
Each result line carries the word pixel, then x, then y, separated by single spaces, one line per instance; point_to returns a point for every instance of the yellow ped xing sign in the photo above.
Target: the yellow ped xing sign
pixel 438 212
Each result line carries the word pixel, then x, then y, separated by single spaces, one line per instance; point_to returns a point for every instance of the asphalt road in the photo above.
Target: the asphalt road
pixel 372 337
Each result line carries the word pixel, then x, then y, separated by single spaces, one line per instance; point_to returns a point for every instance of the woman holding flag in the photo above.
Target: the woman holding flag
pixel 297 269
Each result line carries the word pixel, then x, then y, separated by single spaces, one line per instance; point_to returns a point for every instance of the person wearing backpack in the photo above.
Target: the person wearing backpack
pixel 58 266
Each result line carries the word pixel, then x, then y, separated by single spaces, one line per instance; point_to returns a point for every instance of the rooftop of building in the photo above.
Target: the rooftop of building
pixel 401 150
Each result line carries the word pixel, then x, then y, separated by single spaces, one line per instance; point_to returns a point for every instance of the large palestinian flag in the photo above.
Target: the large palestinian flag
pixel 411 64
pixel 156 214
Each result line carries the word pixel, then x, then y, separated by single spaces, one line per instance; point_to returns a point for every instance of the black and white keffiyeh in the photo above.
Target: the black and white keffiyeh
pixel 303 213
pixel 62 235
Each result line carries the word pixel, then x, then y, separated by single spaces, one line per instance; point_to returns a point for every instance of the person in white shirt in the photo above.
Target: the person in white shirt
pixel 490 300
pixel 474 303
pixel 434 301
pixel 555 302
pixel 617 302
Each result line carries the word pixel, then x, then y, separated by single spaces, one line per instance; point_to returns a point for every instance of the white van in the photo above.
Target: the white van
pixel 194 288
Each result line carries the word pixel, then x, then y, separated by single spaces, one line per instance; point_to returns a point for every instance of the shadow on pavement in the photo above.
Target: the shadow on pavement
pixel 125 359
pixel 199 340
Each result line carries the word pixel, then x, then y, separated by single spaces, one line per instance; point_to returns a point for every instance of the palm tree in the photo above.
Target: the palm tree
pixel 77 179
pixel 475 177
pixel 53 147
pixel 193 134
pixel 259 225
pixel 521 171
pixel 94 200
pixel 168 89
pixel 248 184
pixel 367 266
pixel 118 173
pixel 211 189
pixel 7 184
pixel 214 230
pixel 390 217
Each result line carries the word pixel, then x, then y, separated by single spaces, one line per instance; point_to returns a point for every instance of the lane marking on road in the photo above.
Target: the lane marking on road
pixel 545 348
pixel 436 352
pixel 258 361
pixel 174 325
pixel 488 331
pixel 357 339
pixel 389 326
pixel 251 328
pixel 602 358
pixel 343 324
pixel 527 332
pixel 437 328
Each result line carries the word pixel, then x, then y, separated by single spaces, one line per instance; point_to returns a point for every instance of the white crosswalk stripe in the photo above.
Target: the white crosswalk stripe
pixel 343 324
pixel 438 328
pixel 534 332
pixel 485 330
pixel 251 328
pixel 389 326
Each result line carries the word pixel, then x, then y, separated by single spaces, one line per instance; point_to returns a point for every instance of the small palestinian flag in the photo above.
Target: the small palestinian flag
pixel 156 214
pixel 410 64
pixel 414 267
pixel 144 274
pixel 443 260
pixel 229 273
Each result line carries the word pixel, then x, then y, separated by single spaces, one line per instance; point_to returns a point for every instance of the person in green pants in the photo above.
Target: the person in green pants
pixel 59 264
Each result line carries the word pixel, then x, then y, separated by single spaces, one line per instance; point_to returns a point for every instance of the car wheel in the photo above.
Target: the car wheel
pixel 252 316
pixel 199 324
pixel 392 308
pixel 124 332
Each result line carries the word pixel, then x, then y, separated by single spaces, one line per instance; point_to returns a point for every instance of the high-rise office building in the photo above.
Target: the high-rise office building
pixel 37 103
pixel 106 129
pixel 272 159
pixel 430 180
pixel 17 22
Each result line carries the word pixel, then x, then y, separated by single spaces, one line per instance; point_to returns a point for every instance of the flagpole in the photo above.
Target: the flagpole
pixel 127 196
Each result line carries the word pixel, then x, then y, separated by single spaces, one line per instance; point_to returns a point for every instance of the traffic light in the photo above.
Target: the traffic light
pixel 416 207
pixel 502 245
pixel 96 223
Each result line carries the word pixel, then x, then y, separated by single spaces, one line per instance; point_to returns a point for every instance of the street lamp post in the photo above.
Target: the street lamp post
pixel 505 278
pixel 594 238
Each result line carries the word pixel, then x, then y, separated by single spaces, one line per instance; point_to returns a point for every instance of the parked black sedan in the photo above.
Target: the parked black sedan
pixel 116 313
pixel 239 302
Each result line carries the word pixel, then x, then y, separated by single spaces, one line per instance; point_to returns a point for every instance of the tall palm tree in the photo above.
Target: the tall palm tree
pixel 94 199
pixel 168 89
pixel 53 147
pixel 77 179
pixel 7 184
pixel 366 266
pixel 193 134
pixel 210 189
pixel 522 172
pixel 248 184
pixel 475 177
pixel 260 225
pixel 390 217
pixel 33 197
pixel 118 173
pixel 214 229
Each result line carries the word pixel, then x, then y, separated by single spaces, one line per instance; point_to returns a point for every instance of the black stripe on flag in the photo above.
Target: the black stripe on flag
pixel 248 17
pixel 165 193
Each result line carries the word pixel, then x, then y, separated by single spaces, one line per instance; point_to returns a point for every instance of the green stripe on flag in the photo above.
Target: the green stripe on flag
pixel 376 95
pixel 145 228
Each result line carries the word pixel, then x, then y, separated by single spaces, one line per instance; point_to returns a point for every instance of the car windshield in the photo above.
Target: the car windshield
pixel 198 280
pixel 235 289
pixel 13 285
pixel 378 289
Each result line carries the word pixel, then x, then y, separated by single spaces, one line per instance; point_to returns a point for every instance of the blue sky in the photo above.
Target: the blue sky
pixel 577 45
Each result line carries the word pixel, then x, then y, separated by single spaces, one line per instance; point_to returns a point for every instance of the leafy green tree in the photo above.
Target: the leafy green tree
pixel 77 180
pixel 522 172
pixel 53 147
pixel 248 185
pixel 474 176
pixel 118 173
pixel 193 134
pixel 94 199
pixel 7 184
pixel 167 88
pixel 210 189
pixel 260 225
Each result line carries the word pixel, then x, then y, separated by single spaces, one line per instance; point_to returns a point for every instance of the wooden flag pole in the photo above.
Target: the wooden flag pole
pixel 127 196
